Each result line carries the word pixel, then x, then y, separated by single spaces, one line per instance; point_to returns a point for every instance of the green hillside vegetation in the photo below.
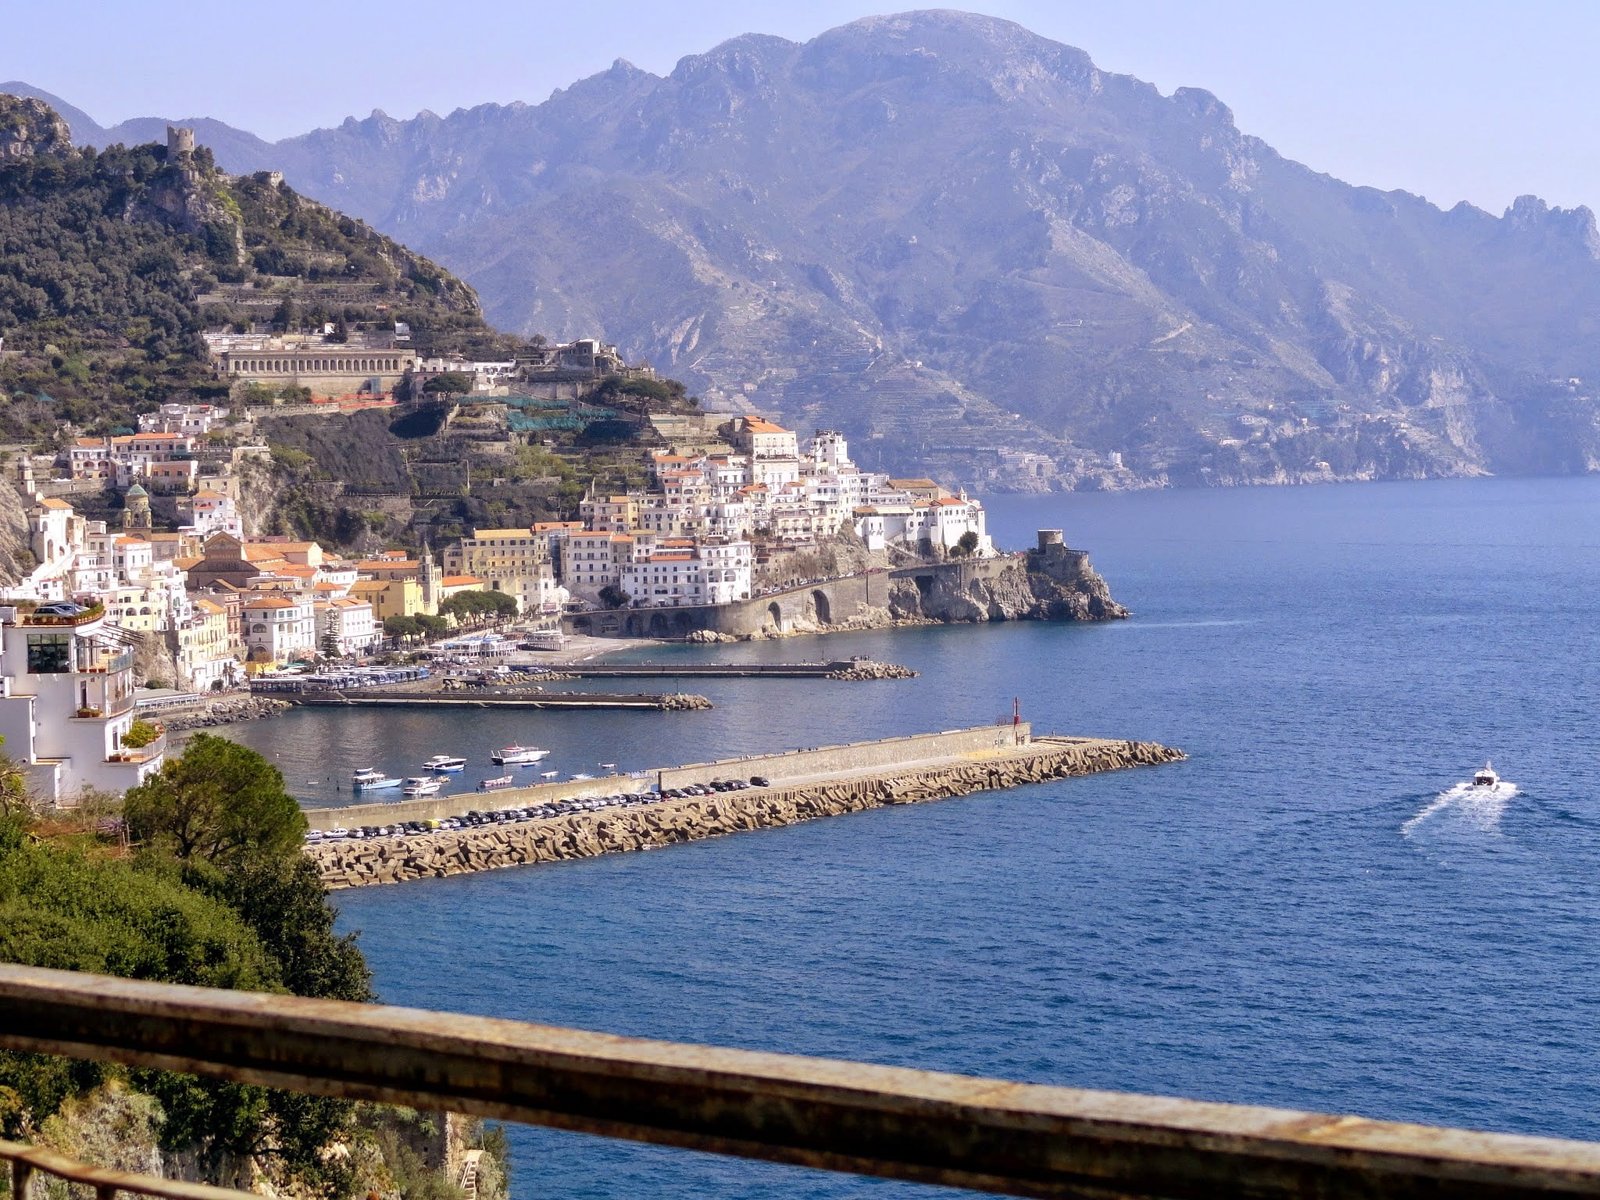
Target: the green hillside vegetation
pixel 217 894
pixel 112 262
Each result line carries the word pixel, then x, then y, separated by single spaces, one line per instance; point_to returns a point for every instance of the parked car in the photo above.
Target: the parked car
pixel 60 608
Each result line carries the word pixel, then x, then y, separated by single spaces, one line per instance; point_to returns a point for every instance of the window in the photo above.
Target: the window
pixel 49 653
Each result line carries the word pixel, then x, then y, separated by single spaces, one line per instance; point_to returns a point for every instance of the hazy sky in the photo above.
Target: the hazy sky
pixel 1465 100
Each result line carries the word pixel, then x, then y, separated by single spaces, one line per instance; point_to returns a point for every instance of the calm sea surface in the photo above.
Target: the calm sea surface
pixel 1303 914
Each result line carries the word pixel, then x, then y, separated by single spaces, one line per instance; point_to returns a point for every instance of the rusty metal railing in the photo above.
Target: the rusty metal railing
pixel 985 1134
pixel 107 1183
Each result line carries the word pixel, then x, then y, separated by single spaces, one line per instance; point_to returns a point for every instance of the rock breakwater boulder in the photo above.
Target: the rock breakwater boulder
pixel 583 835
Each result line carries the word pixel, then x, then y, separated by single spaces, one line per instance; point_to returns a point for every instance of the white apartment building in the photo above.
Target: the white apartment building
pixel 66 703
pixel 125 459
pixel 346 626
pixel 280 627
pixel 193 419
pixel 209 511
pixel 593 561
pixel 677 571
pixel 943 522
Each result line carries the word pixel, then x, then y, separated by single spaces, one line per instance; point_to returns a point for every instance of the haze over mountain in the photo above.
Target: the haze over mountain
pixel 948 236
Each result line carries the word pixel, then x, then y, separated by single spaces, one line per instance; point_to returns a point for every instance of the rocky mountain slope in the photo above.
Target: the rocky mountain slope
pixel 113 261
pixel 950 237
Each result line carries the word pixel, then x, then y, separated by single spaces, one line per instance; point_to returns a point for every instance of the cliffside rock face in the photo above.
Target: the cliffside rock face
pixel 1040 587
pixel 16 557
pixel 29 128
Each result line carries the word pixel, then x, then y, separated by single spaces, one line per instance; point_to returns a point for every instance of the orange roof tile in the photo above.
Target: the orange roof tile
pixel 762 425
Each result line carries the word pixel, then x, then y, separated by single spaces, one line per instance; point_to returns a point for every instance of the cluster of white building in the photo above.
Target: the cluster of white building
pixel 696 536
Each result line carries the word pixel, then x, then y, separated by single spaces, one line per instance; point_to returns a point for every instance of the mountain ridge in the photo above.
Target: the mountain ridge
pixel 950 236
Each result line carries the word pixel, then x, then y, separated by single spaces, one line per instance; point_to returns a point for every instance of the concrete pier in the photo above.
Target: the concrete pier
pixel 805 785
pixel 549 701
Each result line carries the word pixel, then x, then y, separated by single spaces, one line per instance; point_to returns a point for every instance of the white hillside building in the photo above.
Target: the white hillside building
pixel 66 703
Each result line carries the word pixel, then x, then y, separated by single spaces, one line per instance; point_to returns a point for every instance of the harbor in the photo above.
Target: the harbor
pixel 616 814
pixel 548 701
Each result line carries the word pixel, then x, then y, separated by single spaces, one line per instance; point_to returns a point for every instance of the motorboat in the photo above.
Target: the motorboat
pixel 369 779
pixel 420 785
pixel 494 785
pixel 444 763
pixel 517 756
pixel 1486 778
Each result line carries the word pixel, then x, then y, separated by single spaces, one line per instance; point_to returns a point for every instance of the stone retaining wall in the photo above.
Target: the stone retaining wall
pixel 584 835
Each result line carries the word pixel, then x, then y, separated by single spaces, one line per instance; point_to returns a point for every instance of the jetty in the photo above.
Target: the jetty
pixel 799 785
pixel 589 701
pixel 849 668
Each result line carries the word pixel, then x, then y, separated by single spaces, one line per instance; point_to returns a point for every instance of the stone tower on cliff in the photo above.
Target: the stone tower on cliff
pixel 180 143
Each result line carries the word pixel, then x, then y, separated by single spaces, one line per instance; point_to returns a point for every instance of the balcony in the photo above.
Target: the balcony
pixel 143 754
pixel 93 613
pixel 991 1135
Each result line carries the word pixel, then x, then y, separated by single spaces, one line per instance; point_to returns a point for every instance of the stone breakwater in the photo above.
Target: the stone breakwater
pixel 664 823
pixel 223 712
pixel 872 670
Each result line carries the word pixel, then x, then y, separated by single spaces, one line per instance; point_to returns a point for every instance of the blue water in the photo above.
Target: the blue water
pixel 1302 914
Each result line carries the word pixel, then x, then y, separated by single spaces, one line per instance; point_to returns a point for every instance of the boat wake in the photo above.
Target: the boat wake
pixel 1467 804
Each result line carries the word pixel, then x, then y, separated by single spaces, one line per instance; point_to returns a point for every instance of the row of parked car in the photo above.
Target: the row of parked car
pixel 716 785
pixel 475 818
pixel 537 812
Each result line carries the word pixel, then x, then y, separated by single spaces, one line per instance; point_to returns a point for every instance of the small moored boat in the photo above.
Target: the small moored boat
pixel 445 763
pixel 494 785
pixel 419 785
pixel 369 779
pixel 1485 778
pixel 517 756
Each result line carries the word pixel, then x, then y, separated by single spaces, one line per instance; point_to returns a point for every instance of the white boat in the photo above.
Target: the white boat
pixel 419 785
pixel 1486 778
pixel 494 785
pixel 444 763
pixel 517 756
pixel 369 779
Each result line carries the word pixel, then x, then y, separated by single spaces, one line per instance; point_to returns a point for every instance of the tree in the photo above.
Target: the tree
pixel 401 627
pixel 474 605
pixel 432 626
pixel 451 383
pixel 966 545
pixel 612 596
pixel 14 796
pixel 219 801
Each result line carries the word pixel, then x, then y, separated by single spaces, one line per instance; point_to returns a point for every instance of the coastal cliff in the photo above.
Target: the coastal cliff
pixel 1049 584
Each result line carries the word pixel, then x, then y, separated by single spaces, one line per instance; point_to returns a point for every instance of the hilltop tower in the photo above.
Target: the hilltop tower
pixel 180 143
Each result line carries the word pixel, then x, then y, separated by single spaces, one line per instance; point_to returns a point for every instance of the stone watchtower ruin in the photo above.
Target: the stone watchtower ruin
pixel 180 143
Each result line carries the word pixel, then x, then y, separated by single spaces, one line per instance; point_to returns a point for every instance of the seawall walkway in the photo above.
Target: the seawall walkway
pixel 806 785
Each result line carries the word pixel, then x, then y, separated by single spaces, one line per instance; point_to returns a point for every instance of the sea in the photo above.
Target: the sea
pixel 1311 912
